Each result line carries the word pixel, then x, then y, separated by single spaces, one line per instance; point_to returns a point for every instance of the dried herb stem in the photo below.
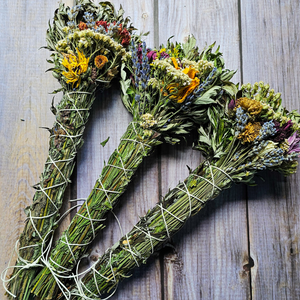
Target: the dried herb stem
pixel 134 146
pixel 65 140
pixel 153 230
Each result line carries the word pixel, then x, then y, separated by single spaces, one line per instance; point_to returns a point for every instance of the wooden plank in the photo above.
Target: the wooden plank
pixel 210 251
pixel 210 255
pixel 109 118
pixel 271 53
pixel 24 107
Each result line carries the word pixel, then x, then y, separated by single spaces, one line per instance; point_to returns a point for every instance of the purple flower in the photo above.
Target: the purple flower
pixel 164 55
pixel 283 132
pixel 293 141
pixel 151 55
pixel 231 104
pixel 140 53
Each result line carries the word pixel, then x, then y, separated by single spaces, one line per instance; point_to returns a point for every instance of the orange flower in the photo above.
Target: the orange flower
pixel 179 94
pixel 174 60
pixel 82 26
pixel 100 61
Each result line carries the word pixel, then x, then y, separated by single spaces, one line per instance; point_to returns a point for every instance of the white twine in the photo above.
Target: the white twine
pixel 121 168
pixel 132 252
pixel 43 257
pixel 75 108
pixel 27 264
pixel 106 191
pixel 57 274
pixel 163 216
pixel 135 253
pixel 224 173
pixel 135 141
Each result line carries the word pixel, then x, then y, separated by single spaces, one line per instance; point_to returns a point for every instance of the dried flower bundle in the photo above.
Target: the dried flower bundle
pixel 87 43
pixel 167 95
pixel 236 151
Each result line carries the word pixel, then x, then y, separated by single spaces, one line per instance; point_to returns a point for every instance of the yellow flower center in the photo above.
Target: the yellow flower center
pixel 250 132
pixel 76 66
pixel 253 107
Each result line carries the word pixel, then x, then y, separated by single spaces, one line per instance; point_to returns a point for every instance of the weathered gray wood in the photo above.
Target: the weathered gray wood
pixel 271 53
pixel 207 262
pixel 210 255
pixel 24 108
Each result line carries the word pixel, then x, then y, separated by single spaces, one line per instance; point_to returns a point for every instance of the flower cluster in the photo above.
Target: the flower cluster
pixel 178 77
pixel 140 66
pixel 166 68
pixel 170 83
pixel 147 121
pixel 266 128
pixel 94 33
pixel 116 30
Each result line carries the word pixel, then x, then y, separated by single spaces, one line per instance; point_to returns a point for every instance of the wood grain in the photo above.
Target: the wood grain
pixel 271 53
pixel 206 262
pixel 209 257
pixel 24 108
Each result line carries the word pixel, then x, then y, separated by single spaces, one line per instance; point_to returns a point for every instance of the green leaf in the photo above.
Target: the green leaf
pixel 125 84
pixel 227 76
pixel 121 12
pixel 208 97
pixel 123 73
pixel 189 45
pixel 104 142
pixel 107 204
pixel 205 140
pixel 57 91
pixel 230 88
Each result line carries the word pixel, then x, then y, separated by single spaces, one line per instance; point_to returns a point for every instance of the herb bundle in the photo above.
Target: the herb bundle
pixel 250 133
pixel 87 43
pixel 168 91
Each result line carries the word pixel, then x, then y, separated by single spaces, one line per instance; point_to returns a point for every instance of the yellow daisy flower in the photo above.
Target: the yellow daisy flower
pixel 76 66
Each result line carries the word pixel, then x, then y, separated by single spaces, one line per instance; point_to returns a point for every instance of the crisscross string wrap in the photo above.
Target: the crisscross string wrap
pixel 42 260
pixel 134 140
pixel 57 270
pixel 163 211
pixel 54 162
pixel 26 264
pixel 82 287
pixel 122 166
pixel 92 226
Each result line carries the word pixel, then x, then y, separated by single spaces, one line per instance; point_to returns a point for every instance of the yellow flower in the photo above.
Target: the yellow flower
pixel 253 107
pixel 179 94
pixel 76 66
pixel 175 52
pixel 100 61
pixel 250 132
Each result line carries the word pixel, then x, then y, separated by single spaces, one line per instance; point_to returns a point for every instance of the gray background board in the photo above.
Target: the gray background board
pixel 243 245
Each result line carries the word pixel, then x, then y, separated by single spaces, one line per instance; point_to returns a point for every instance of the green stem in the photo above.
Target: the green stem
pixel 113 181
pixel 65 139
pixel 153 230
